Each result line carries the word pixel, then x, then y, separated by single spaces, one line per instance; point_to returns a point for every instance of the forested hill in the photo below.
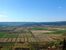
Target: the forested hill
pixel 32 23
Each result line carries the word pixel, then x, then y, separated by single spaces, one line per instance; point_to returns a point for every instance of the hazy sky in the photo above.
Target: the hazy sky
pixel 32 10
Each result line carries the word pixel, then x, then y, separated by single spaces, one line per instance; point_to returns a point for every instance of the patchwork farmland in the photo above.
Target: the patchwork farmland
pixel 31 38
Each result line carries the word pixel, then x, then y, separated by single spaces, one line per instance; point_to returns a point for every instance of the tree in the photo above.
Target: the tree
pixel 64 44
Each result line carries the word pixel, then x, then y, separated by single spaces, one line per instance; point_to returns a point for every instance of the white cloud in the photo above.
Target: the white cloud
pixel 3 16
pixel 5 19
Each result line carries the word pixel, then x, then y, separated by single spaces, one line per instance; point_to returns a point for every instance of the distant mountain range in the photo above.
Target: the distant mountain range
pixel 33 23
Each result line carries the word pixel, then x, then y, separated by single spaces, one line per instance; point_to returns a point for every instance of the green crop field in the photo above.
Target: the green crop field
pixel 2 34
pixel 57 32
pixel 35 28
pixel 6 44
pixel 11 36
pixel 6 35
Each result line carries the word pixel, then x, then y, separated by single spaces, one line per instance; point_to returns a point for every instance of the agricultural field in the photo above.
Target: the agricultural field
pixel 31 38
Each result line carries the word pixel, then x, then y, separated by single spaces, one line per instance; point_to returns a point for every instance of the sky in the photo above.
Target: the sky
pixel 32 10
